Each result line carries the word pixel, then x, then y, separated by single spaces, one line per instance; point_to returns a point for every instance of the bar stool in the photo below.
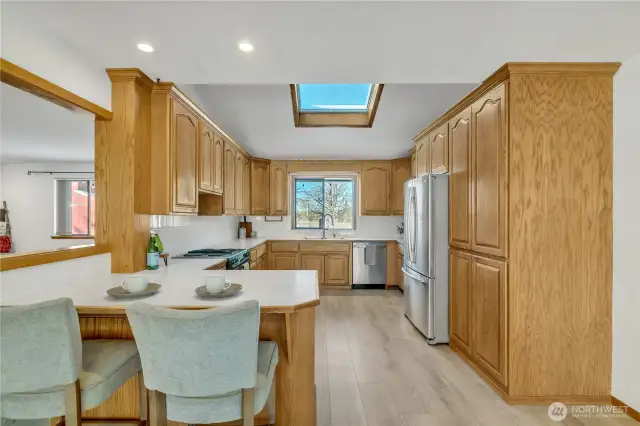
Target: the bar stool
pixel 46 369
pixel 204 366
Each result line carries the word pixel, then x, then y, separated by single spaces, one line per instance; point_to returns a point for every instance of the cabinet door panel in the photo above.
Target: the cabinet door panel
pixel 399 175
pixel 439 140
pixel 185 154
pixel 285 261
pixel 206 163
pixel 423 156
pixel 460 180
pixel 218 163
pixel 414 165
pixel 229 196
pixel 489 173
pixel 489 342
pixel 374 189
pixel 460 299
pixel 336 269
pixel 400 273
pixel 259 187
pixel 246 186
pixel 313 262
pixel 239 184
pixel 279 191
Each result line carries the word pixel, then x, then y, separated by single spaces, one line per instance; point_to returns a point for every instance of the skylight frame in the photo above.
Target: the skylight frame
pixel 336 119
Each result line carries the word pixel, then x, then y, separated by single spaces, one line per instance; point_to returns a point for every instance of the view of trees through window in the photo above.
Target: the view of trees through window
pixel 329 198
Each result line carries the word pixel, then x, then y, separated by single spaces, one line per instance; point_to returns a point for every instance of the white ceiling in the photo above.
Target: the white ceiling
pixel 261 118
pixel 35 130
pixel 295 42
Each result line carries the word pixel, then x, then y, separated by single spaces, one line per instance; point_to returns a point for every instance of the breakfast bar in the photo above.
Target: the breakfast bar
pixel 287 316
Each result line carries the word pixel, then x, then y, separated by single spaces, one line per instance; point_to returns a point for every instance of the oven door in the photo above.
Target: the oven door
pixel 244 265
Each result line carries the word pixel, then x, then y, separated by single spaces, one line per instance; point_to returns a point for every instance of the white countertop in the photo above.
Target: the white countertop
pixel 276 291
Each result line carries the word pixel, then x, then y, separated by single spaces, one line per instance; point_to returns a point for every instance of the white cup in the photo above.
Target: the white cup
pixel 215 284
pixel 135 283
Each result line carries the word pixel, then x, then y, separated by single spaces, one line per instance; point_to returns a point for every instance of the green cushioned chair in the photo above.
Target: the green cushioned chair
pixel 47 371
pixel 204 366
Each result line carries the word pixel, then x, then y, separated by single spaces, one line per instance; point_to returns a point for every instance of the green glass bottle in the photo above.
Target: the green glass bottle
pixel 153 251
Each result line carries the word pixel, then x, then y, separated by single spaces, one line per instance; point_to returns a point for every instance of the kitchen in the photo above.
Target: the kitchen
pixel 181 161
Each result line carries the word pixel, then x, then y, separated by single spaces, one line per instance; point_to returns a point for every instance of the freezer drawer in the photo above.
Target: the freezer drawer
pixel 369 263
pixel 426 306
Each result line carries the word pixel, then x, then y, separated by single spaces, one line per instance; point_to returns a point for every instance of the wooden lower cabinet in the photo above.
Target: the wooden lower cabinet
pixel 314 262
pixel 460 299
pixel 400 279
pixel 336 269
pixel 285 261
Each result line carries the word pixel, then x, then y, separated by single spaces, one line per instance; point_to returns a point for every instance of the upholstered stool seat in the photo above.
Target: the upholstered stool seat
pixel 47 371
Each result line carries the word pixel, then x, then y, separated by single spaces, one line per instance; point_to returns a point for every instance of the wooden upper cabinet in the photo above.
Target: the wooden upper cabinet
pixel 460 180
pixel 246 186
pixel 218 163
pixel 460 299
pixel 489 173
pixel 400 173
pixel 184 149
pixel 279 189
pixel 374 188
pixel 239 183
pixel 229 194
pixel 423 155
pixel 259 187
pixel 336 269
pixel 205 155
pixel 313 262
pixel 414 165
pixel 489 341
pixel 439 141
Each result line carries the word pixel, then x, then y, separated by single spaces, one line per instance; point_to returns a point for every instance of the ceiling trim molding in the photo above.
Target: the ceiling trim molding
pixel 336 119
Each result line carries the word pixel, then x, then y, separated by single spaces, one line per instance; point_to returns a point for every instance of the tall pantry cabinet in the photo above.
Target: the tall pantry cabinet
pixel 530 159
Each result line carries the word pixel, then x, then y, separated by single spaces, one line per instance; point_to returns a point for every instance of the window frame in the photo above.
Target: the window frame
pixel 324 178
pixel 56 200
pixel 336 119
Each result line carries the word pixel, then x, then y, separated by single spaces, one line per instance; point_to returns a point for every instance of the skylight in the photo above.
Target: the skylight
pixel 335 105
pixel 334 97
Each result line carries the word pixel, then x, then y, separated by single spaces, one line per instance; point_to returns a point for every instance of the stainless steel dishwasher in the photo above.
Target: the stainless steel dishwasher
pixel 369 264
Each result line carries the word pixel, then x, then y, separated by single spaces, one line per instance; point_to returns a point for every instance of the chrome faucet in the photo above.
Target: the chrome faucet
pixel 324 225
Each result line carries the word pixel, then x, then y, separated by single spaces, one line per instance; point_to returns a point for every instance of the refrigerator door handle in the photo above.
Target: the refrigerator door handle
pixel 414 275
pixel 414 220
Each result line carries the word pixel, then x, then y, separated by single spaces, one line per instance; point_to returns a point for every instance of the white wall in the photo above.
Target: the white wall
pixel 30 200
pixel 626 234
pixel 196 232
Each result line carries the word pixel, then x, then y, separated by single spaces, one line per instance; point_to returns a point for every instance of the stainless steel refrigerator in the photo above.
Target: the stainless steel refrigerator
pixel 426 256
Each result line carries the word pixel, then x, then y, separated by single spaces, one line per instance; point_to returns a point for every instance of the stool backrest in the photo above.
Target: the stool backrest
pixel 195 353
pixel 40 346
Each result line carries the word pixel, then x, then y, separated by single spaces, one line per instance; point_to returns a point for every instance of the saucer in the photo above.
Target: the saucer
pixel 121 293
pixel 233 290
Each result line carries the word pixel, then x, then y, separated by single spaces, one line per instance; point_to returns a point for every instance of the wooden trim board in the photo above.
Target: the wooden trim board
pixel 631 412
pixel 24 80
pixel 72 237
pixel 25 260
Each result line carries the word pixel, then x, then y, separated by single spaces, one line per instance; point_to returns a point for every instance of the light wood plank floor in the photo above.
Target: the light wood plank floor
pixel 373 368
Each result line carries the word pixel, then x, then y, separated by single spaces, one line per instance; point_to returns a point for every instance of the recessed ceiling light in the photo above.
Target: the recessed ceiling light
pixel 245 46
pixel 145 47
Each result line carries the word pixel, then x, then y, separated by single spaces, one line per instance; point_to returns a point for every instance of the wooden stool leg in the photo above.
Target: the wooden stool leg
pixel 157 408
pixel 142 394
pixel 271 404
pixel 247 407
pixel 72 405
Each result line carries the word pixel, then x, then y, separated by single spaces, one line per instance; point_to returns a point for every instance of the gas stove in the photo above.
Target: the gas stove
pixel 236 258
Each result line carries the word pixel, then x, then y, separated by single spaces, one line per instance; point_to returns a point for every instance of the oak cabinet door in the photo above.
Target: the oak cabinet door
pixel 460 180
pixel 185 159
pixel 374 189
pixel 279 189
pixel 246 186
pixel 489 173
pixel 414 171
pixel 423 155
pixel 229 197
pixel 399 175
pixel 460 299
pixel 206 154
pixel 336 269
pixel 313 262
pixel 259 187
pixel 218 163
pixel 285 261
pixel 400 279
pixel 489 293
pixel 439 141
pixel 239 184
